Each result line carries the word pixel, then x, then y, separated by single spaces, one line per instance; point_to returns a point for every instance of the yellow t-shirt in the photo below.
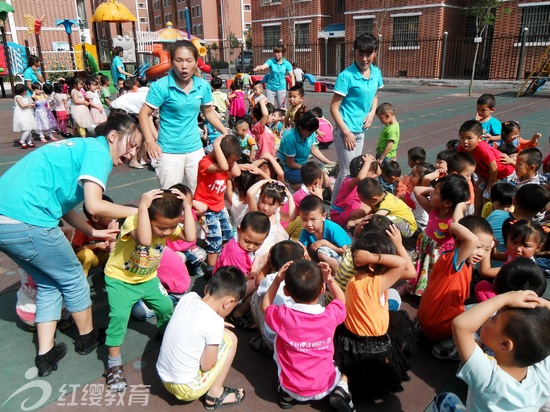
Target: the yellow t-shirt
pixel 134 263
pixel 396 207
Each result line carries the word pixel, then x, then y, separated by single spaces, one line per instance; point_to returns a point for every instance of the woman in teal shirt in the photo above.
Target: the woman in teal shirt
pixel 32 73
pixel 278 67
pixel 37 192
pixel 118 70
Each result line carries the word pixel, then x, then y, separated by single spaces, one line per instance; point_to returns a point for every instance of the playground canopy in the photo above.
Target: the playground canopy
pixel 112 12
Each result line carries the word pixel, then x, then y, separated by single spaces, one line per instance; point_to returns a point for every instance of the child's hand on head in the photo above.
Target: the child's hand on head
pixel 364 257
pixel 326 271
pixel 148 197
pixel 395 235
pixel 282 272
pixel 522 299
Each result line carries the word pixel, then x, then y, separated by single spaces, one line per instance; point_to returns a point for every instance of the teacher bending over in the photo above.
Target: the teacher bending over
pixel 354 103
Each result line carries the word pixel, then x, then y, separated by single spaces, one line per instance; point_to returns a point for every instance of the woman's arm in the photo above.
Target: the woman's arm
pixel 347 135
pixel 319 155
pixel 291 163
pixel 153 149
pixel 95 204
pixel 78 222
pixel 214 119
pixel 261 67
pixel 370 115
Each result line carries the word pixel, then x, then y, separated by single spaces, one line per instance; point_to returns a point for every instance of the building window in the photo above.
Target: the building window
pixel 363 26
pixel 270 2
pixel 143 19
pixel 167 17
pixel 340 6
pixel 302 36
pixel 193 11
pixel 537 20
pixel 199 30
pixel 272 34
pixel 198 11
pixel 166 3
pixel 247 26
pixel 156 5
pixel 181 15
pixel 81 10
pixel 141 6
pixel 157 21
pixel 405 31
pixel 247 7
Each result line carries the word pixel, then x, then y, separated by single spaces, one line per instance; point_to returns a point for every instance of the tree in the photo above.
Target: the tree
pixel 248 38
pixel 290 11
pixel 483 12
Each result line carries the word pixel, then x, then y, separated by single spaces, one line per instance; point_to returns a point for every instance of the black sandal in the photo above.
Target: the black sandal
pixel 218 402
pixel 116 381
pixel 243 323
pixel 341 400
pixel 285 400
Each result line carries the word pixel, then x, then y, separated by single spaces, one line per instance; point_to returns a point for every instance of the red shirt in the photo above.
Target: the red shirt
pixel 484 154
pixel 210 186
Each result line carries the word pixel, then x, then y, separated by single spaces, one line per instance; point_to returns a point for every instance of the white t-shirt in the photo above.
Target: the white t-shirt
pixel 492 389
pixel 193 325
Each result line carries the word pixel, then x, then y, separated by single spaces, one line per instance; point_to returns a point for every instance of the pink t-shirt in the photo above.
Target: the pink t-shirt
pixel 438 230
pixel 173 273
pixel 326 128
pixel 346 202
pixel 265 139
pixel 305 346
pixel 297 196
pixel 232 254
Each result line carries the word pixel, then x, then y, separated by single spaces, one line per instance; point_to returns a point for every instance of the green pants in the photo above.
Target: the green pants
pixel 122 297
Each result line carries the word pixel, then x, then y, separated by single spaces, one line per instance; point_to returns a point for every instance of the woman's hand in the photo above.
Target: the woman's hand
pixel 349 140
pixel 109 234
pixel 368 120
pixel 153 149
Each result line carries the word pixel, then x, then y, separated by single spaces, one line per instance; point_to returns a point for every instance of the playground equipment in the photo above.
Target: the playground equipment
pixel 166 37
pixel 538 76
pixel 33 26
pixel 4 10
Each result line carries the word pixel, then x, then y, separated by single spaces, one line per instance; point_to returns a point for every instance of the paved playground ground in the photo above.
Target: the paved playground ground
pixel 429 117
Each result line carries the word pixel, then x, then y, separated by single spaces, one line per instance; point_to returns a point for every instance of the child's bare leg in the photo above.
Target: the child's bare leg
pixel 199 207
pixel 332 262
pixel 211 259
pixel 217 387
pixel 478 201
pixel 46 333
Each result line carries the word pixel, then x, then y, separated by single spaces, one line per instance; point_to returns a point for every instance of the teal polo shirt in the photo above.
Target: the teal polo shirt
pixel 277 74
pixel 292 145
pixel 178 111
pixel 115 65
pixel 48 182
pixel 358 94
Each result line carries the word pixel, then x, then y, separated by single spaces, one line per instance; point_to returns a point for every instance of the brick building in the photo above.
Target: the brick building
pixel 419 38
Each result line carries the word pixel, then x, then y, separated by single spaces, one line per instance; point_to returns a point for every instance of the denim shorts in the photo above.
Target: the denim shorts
pixel 47 256
pixel 219 230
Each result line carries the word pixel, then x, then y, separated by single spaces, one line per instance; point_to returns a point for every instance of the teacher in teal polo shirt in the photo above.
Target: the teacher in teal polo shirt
pixel 354 104
pixel 179 97
pixel 275 86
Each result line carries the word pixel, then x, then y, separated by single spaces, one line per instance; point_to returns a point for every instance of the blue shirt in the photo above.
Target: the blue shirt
pixel 292 145
pixel 492 127
pixel 358 94
pixel 48 182
pixel 178 112
pixel 117 62
pixel 277 74
pixel 332 232
pixel 30 75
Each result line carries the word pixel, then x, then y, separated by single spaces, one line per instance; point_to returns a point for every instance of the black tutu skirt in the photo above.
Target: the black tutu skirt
pixel 376 365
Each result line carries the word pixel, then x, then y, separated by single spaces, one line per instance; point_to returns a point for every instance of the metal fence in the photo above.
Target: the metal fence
pixel 499 58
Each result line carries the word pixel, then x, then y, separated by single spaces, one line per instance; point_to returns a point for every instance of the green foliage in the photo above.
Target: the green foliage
pixel 484 13
pixel 233 41
pixel 219 64
pixel 214 46
pixel 248 38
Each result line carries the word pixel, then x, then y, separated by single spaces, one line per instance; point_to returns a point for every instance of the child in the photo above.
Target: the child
pixel 386 149
pixel 246 140
pixel 277 126
pixel 45 120
pixel 214 170
pixel 502 195
pixel 273 194
pixel 80 113
pixel 96 108
pixel 257 94
pixel 298 75
pixel 195 360
pixel 347 209
pixel 415 155
pixel 418 173
pixel 295 102
pixel 452 144
pixel 236 102
pixel 23 116
pixel 61 109
pixel 490 125
pixel 325 240
pixel 263 135
pixel 383 203
pixel 391 173
pixel 523 238
pixel 307 372
pixel 296 146
pixel 219 98
pixel 279 254
pixel 519 335
pixel 237 189
pixel 131 271
pixel 325 131
pixel 374 362
pixel 105 94
pixel 489 168
pixel 510 134
pixel 527 165
pixel 449 286
pixel 93 252
pixel 440 203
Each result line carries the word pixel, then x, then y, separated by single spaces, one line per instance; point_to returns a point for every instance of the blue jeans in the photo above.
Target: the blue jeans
pixel 219 230
pixel 47 255
pixel 447 402
pixel 345 156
